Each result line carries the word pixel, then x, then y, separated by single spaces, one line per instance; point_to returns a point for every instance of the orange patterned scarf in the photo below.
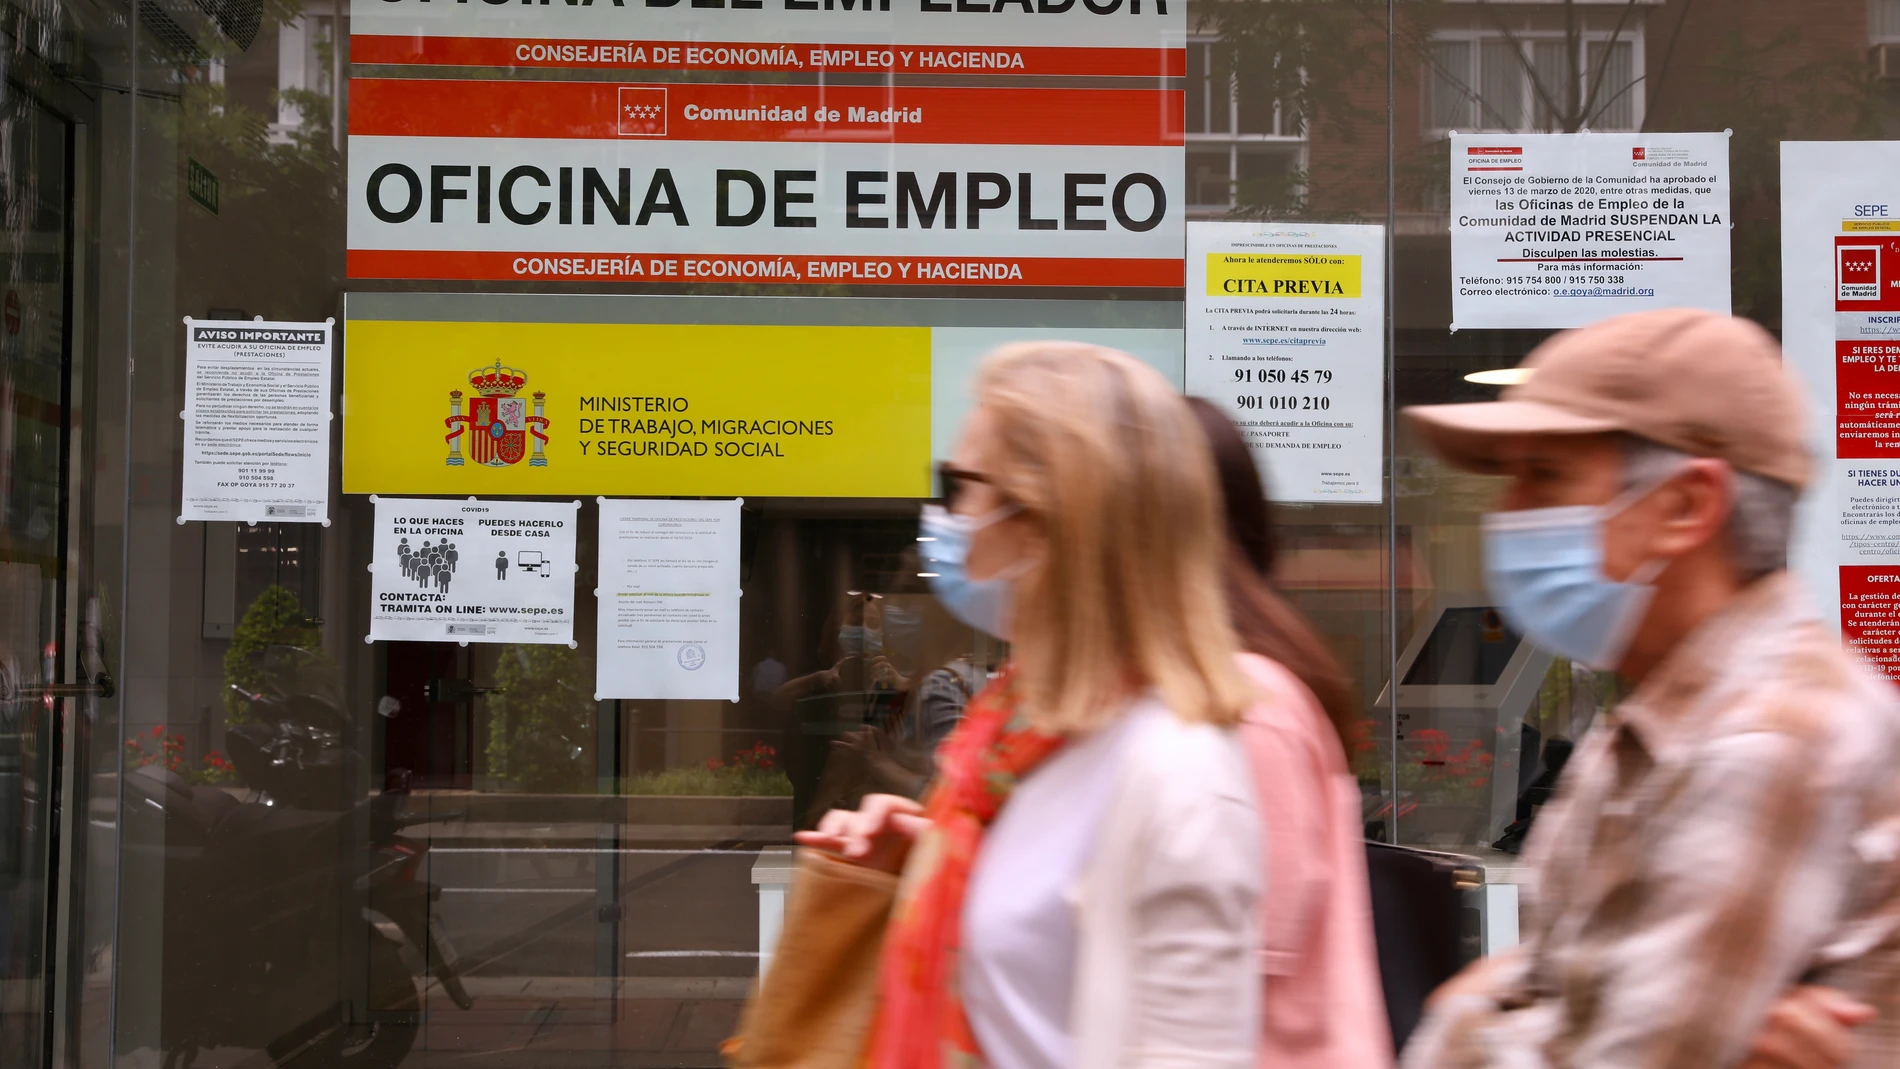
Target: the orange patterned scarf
pixel 920 1021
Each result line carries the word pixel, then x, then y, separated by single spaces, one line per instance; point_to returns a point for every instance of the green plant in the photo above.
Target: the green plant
pixel 275 618
pixel 541 725
pixel 751 772
pixel 700 781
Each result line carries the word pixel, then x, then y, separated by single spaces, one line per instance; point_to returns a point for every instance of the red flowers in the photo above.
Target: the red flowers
pixel 170 752
pixel 1467 768
pixel 759 756
pixel 756 758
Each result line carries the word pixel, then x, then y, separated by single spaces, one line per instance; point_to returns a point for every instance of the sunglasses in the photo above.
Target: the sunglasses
pixel 955 482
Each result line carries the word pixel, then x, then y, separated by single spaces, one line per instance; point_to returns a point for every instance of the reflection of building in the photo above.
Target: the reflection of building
pixel 1238 139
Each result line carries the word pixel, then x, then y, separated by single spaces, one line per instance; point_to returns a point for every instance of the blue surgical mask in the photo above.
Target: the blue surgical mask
pixel 944 546
pixel 1545 568
pixel 852 639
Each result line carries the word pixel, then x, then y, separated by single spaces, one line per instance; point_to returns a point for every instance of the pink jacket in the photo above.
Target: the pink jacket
pixel 1323 1006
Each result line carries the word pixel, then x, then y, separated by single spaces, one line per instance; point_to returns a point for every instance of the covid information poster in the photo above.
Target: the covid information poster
pixel 1561 230
pixel 1286 333
pixel 467 570
pixel 773 170
pixel 669 600
pixel 1841 334
pixel 257 421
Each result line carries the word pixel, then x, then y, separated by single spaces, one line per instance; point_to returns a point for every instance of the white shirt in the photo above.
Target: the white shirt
pixel 1019 914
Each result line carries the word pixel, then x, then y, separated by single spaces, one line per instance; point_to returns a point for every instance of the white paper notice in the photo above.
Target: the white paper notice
pixel 462 570
pixel 1840 293
pixel 1286 333
pixel 1561 230
pixel 669 600
pixel 257 421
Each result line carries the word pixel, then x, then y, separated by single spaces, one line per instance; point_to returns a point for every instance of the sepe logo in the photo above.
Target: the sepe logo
pixel 642 112
pixel 497 422
pixel 1638 153
pixel 1857 273
pixel 691 657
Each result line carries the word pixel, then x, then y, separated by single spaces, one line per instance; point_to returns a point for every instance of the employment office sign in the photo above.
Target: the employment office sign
pixel 1561 230
pixel 657 179
pixel 590 181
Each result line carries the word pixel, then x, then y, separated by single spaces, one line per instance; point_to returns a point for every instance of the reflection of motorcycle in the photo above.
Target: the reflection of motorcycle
pixel 291 921
pixel 261 947
pixel 293 747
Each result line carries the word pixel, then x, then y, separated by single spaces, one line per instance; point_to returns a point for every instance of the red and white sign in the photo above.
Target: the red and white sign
pixel 788 213
pixel 1870 614
pixel 1124 38
pixel 1867 272
pixel 1840 282
pixel 1867 346
pixel 786 182
pixel 641 111
pixel 1494 158
pixel 914 115
pixel 767 57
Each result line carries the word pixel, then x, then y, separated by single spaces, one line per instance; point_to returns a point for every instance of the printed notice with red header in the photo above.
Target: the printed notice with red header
pixel 1561 230
pixel 1841 335
pixel 553 181
pixel 953 38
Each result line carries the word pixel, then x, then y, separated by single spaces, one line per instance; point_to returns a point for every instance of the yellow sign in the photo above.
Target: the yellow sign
pixel 636 409
pixel 1270 274
pixel 1869 226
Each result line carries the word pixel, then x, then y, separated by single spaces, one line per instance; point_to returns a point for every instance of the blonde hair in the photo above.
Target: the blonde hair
pixel 1106 458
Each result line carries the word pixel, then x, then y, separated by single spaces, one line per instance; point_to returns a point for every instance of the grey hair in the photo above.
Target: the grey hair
pixel 1761 523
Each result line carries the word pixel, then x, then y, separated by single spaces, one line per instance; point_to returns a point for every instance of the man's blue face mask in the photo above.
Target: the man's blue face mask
pixel 1545 568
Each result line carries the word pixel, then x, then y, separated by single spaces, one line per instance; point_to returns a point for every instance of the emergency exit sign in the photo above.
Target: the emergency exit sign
pixel 202 185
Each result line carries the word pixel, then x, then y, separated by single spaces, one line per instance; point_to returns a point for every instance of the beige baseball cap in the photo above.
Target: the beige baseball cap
pixel 1709 385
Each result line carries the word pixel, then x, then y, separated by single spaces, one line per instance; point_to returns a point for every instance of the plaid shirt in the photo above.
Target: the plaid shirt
pixel 1731 830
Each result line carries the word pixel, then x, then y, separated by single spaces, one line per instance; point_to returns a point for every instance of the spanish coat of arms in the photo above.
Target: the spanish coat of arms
pixel 497 424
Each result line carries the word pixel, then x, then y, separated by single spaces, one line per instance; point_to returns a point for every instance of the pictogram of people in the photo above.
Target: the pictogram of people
pixel 429 565
pixel 501 565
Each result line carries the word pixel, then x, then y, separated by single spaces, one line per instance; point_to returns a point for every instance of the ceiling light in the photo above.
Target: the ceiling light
pixel 928 575
pixel 1503 376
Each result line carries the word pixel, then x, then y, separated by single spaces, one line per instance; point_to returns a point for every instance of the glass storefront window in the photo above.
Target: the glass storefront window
pixel 233 832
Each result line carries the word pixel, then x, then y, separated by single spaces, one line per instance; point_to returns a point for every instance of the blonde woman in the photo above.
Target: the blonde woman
pixel 1080 889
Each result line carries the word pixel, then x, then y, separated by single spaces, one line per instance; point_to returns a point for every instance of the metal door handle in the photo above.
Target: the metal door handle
pixel 99 688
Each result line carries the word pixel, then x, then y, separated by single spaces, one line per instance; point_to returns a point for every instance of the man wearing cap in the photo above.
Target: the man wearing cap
pixel 1732 828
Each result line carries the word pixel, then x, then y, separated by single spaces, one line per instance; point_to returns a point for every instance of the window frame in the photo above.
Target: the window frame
pixel 1876 38
pixel 1232 141
pixel 1526 40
